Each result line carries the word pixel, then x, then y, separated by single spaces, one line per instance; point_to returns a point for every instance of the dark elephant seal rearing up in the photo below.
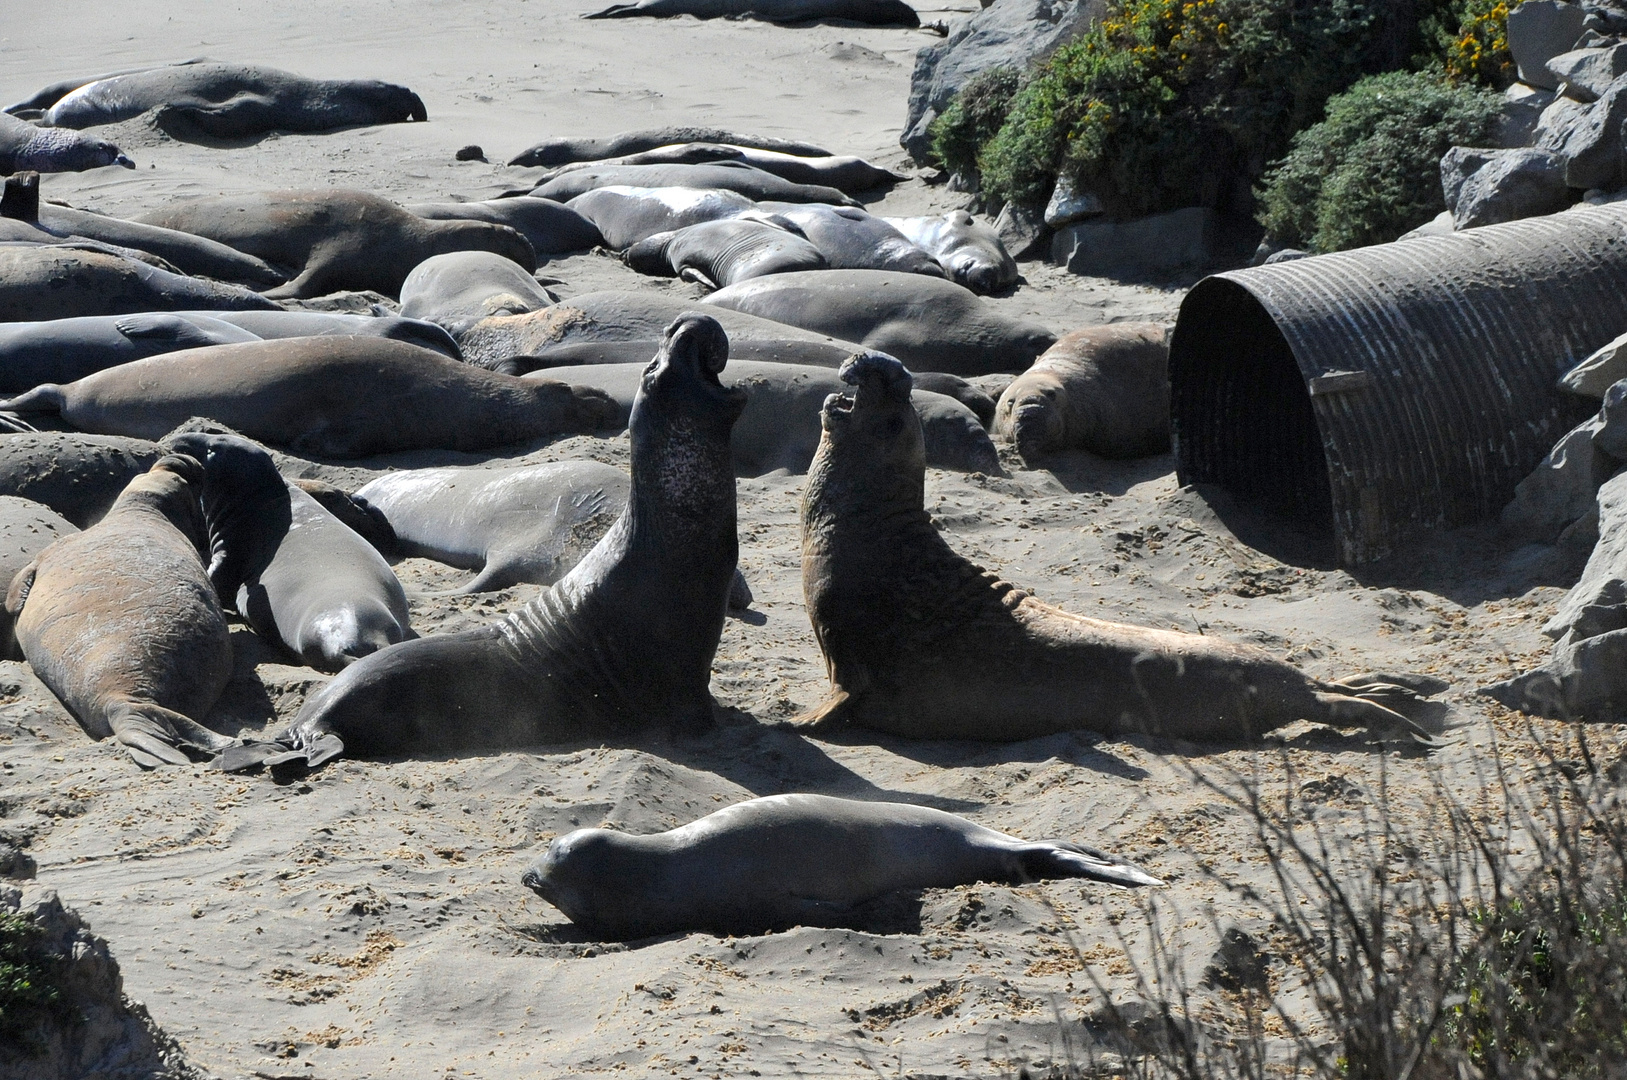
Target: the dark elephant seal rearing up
pixel 920 642
pixel 789 860
pixel 121 623
pixel 1104 389
pixel 624 642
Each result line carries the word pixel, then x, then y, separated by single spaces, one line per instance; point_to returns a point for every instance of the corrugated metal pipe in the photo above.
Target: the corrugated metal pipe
pixel 1370 394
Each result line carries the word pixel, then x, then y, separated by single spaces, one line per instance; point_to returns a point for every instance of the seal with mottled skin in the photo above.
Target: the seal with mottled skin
pixel 296 573
pixel 459 289
pixel 328 397
pixel 920 642
pixel 790 860
pixel 551 228
pixel 276 325
pixel 1104 389
pixel 77 476
pixel 970 252
pixel 188 253
pixel 931 323
pixel 851 239
pixel 625 215
pixel 734 176
pixel 63 350
pixel 623 643
pixel 842 172
pixel 235 100
pixel 552 152
pixel 121 623
pixel 332 238
pixel 26 148
pixel 718 253
pixel 869 12
pixel 26 529
pixel 39 282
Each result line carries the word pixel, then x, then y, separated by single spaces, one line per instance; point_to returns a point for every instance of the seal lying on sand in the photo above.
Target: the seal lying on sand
pixel 275 325
pixel 920 642
pixel 625 215
pixel 26 148
pixel 970 252
pixel 727 175
pixel 552 229
pixel 870 12
pixel 236 100
pixel 788 860
pixel 121 623
pixel 26 529
pixel 188 253
pixel 39 282
pixel 63 350
pixel 34 106
pixel 1104 389
pixel 718 253
pixel 297 574
pixel 851 239
pixel 331 239
pixel 328 397
pixel 458 290
pixel 623 642
pixel 77 476
pixel 844 173
pixel 552 152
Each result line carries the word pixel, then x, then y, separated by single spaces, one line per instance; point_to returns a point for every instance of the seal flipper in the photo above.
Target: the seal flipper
pixel 155 736
pixel 1060 859
pixel 13 424
pixel 1364 710
pixel 834 714
pixel 287 753
pixel 44 398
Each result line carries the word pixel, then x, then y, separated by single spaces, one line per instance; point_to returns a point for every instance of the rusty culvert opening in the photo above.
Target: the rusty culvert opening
pixel 1371 394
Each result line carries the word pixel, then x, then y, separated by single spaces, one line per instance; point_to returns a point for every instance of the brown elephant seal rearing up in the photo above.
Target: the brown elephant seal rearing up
pixel 623 642
pixel 1104 389
pixel 920 642
pixel 121 623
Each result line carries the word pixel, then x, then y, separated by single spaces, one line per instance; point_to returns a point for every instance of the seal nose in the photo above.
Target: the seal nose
pixel 702 333
pixel 877 370
pixel 531 880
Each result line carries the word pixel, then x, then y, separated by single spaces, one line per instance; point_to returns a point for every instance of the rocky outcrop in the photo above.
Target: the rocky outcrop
pixel 1487 187
pixel 1538 31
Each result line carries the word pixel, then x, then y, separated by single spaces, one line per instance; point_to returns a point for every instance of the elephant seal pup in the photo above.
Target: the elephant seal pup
pixel 624 642
pixel 60 282
pixel 26 148
pixel 788 860
pixel 459 289
pixel 733 176
pixel 625 215
pixel 77 476
pixel 852 175
pixel 552 152
pixel 551 228
pixel 188 253
pixel 236 100
pixel 920 642
pixel 26 529
pixel 851 239
pixel 296 573
pixel 970 252
pixel 869 12
pixel 327 397
pixel 63 350
pixel 332 239
pixel 121 623
pixel 275 325
pixel 934 324
pixel 718 253
pixel 1104 389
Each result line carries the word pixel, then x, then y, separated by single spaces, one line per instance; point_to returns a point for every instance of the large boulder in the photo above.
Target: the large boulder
pixel 1522 111
pixel 1146 247
pixel 1561 490
pixel 1488 187
pixel 1587 73
pixel 1008 33
pixel 1593 150
pixel 1538 31
pixel 1595 376
pixel 1558 119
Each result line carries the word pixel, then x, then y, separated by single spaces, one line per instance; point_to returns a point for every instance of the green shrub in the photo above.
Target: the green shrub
pixel 1371 170
pixel 973 118
pixel 28 980
pixel 1471 41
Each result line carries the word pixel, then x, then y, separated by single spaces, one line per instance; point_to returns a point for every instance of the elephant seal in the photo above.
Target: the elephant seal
pixel 1104 389
pixel 789 860
pixel 328 397
pixel 77 476
pixel 188 253
pixel 851 239
pixel 459 289
pixel 59 282
pixel 63 350
pixel 925 321
pixel 332 239
pixel 718 253
pixel 869 12
pixel 552 229
pixel 623 642
pixel 552 152
pixel 121 623
pixel 625 215
pixel 362 519
pixel 970 252
pixel 920 642
pixel 276 325
pixel 26 148
pixel 852 175
pixel 33 107
pixel 953 386
pixel 296 573
pixel 235 100
pixel 779 428
pixel 26 529
pixel 733 176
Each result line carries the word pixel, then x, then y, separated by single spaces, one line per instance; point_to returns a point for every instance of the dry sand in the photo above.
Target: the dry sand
pixel 369 921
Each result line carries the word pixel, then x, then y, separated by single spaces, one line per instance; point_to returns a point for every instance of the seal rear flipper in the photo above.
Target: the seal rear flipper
pixel 614 11
pixel 157 736
pixel 1420 685
pixel 827 718
pixel 244 756
pixel 1346 710
pixel 1060 859
pixel 44 398
pixel 306 754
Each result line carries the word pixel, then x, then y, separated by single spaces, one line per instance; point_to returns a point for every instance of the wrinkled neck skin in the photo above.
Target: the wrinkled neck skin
pixel 168 496
pixel 852 500
pixel 245 523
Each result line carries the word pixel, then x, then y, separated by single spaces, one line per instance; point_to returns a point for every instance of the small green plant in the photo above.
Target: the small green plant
pixel 1371 170
pixel 28 980
pixel 973 118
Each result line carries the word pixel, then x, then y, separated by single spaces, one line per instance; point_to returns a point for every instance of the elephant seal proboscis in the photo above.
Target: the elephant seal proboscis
pixel 851 239
pixel 624 642
pixel 625 215
pixel 719 253
pixel 77 476
pixel 852 175
pixel 121 623
pixel 552 152
pixel 788 860
pixel 332 238
pixel 26 148
pixel 63 350
pixel 931 323
pixel 869 12
pixel 920 642
pixel 235 100
pixel 459 289
pixel 296 573
pixel 334 397
pixel 734 176
pixel 26 529
pixel 188 253
pixel 1104 389
pixel 39 282
pixel 971 253
pixel 276 325
pixel 552 229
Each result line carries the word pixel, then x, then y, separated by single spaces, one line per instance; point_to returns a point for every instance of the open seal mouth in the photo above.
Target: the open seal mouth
pixel 694 345
pixel 878 380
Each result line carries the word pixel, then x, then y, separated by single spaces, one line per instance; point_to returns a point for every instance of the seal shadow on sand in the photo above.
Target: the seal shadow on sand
pixel 176 124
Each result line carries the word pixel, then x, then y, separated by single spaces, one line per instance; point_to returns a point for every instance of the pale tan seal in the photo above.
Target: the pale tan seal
pixel 1104 389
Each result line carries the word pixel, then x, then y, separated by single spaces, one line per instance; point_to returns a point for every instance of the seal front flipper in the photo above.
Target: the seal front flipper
pixel 1060 859
pixel 157 736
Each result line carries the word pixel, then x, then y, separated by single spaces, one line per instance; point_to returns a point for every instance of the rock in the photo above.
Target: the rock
pixel 1022 231
pixel 1522 109
pixel 1538 31
pixel 1439 225
pixel 1160 244
pixel 1237 965
pixel 16 863
pixel 1585 74
pixel 1556 123
pixel 470 153
pixel 1068 206
pixel 1562 489
pixel 1599 372
pixel 1457 165
pixel 1285 255
pixel 1008 33
pixel 1597 604
pixel 1611 438
pixel 1593 151
pixel 1507 186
